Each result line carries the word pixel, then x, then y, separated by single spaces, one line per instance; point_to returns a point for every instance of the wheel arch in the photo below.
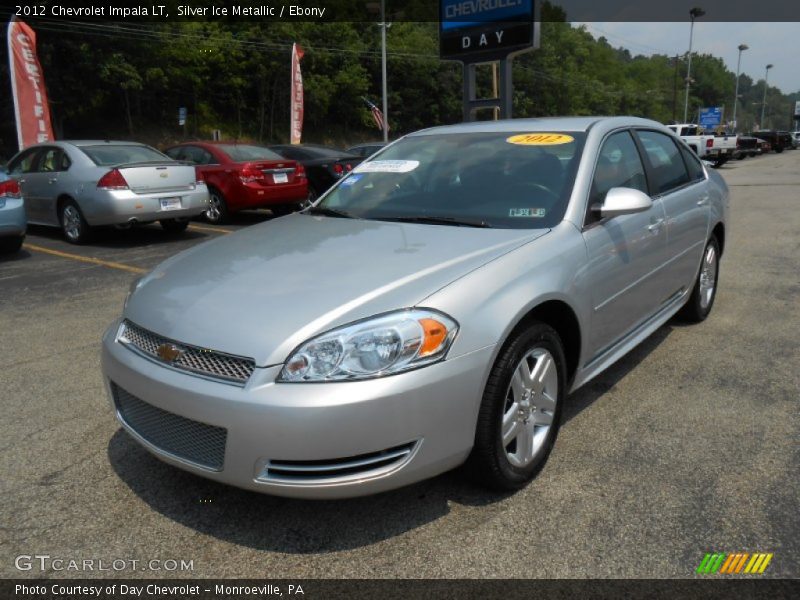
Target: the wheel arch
pixel 61 201
pixel 562 318
pixel 719 233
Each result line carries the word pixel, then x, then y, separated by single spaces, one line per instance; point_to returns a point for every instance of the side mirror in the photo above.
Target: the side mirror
pixel 624 201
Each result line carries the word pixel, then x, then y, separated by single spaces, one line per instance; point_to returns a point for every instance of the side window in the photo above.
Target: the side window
pixel 24 163
pixel 174 153
pixel 618 165
pixel 693 164
pixel 665 161
pixel 53 160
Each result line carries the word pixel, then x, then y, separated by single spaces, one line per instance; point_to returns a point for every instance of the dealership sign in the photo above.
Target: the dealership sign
pixel 27 86
pixel 711 117
pixel 471 30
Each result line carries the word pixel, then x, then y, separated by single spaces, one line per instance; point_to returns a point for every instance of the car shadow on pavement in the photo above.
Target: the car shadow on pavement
pixel 316 527
pixel 110 237
pixel 287 525
pixel 605 381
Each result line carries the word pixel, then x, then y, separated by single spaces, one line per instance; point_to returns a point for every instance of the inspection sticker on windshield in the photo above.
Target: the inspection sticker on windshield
pixel 387 166
pixel 352 180
pixel 536 213
pixel 540 139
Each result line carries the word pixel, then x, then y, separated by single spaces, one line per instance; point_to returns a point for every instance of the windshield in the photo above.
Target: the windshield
pixel 504 180
pixel 114 154
pixel 245 152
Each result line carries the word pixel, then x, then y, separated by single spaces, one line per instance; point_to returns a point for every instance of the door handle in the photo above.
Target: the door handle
pixel 703 200
pixel 20 180
pixel 52 180
pixel 655 226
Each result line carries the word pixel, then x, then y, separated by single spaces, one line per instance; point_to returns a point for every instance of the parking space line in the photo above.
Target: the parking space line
pixel 214 229
pixel 86 259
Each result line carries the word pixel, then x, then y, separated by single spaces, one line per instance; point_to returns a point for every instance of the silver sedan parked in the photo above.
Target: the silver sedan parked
pixel 434 309
pixel 78 185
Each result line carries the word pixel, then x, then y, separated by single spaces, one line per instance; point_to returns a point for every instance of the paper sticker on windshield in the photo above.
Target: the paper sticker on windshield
pixel 536 213
pixel 540 139
pixel 387 166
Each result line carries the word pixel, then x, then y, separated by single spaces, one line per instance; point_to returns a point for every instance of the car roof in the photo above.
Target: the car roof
pixel 80 143
pixel 574 124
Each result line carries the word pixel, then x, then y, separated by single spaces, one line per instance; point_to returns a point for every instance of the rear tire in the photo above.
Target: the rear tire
pixel 174 225
pixel 699 305
pixel 74 227
pixel 217 212
pixel 11 245
pixel 521 410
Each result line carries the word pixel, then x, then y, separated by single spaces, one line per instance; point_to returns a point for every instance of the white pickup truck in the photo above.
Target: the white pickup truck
pixel 715 148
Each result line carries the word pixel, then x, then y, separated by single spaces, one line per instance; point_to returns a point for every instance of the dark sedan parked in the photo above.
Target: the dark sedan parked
pixel 242 176
pixel 324 165
pixel 365 150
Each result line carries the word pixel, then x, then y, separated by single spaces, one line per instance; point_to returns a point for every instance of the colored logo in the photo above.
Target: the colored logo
pixel 169 352
pixel 737 563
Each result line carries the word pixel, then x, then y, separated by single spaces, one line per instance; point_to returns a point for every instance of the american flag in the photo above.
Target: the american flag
pixel 377 115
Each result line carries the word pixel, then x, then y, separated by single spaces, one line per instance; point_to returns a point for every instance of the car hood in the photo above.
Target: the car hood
pixel 262 291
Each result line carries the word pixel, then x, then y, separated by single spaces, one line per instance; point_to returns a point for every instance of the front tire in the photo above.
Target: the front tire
pixel 699 305
pixel 520 412
pixel 74 227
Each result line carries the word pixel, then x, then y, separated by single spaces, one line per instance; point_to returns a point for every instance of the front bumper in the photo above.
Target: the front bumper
pixel 13 221
pixel 117 207
pixel 431 412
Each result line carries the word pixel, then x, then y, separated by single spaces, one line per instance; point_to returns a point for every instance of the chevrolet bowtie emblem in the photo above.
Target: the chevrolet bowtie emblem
pixel 169 352
pixel 164 174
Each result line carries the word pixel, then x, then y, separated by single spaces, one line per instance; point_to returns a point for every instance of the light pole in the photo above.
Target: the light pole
pixel 374 7
pixel 383 73
pixel 694 14
pixel 764 101
pixel 742 48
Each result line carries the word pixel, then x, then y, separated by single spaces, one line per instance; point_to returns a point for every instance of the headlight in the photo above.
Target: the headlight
pixel 383 345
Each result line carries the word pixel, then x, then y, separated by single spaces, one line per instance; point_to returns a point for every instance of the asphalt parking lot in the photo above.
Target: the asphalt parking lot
pixel 688 445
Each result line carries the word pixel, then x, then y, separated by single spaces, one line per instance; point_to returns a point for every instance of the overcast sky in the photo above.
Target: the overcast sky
pixel 770 43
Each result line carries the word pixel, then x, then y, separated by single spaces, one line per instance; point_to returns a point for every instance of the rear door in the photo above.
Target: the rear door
pixel 45 184
pixel 680 184
pixel 625 253
pixel 22 168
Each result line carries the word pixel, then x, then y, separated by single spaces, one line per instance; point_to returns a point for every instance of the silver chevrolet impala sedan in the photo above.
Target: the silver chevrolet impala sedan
pixel 78 185
pixel 434 309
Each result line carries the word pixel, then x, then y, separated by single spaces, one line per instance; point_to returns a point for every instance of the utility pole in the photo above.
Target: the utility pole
pixel 694 13
pixel 383 73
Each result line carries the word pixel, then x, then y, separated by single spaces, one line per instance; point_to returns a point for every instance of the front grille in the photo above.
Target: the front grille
pixel 339 469
pixel 184 438
pixel 202 361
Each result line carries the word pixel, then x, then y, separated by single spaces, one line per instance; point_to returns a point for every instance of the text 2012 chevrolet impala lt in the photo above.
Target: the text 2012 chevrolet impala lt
pixel 433 309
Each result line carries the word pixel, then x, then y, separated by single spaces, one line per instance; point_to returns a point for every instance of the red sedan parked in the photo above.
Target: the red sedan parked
pixel 242 176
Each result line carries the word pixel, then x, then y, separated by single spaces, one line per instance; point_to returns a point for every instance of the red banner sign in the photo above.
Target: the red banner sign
pixel 27 85
pixel 296 108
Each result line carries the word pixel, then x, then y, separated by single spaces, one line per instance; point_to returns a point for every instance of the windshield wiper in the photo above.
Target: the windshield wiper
pixel 434 220
pixel 328 212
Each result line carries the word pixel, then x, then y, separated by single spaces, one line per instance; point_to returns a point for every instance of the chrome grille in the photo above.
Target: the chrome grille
pixel 339 469
pixel 202 361
pixel 184 438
